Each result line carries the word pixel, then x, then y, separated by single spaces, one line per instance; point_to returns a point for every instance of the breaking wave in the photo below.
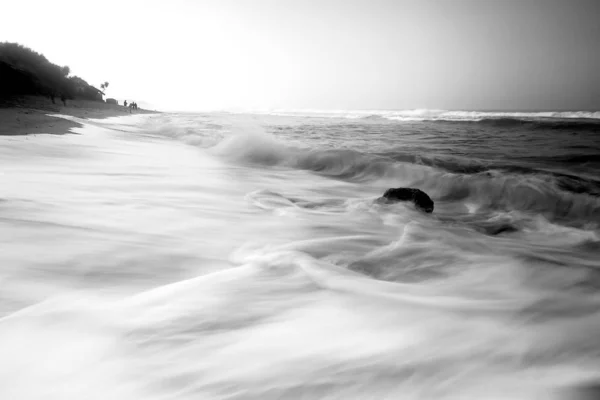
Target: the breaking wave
pixel 559 197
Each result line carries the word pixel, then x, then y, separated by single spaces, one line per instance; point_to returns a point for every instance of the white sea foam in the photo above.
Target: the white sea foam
pixel 174 256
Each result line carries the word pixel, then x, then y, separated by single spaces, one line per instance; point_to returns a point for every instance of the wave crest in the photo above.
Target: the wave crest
pixel 417 115
pixel 558 197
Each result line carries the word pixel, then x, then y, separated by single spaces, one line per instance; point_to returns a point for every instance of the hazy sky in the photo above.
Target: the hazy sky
pixel 326 54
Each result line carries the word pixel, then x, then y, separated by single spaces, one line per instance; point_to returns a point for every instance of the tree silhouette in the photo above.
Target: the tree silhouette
pixel 24 71
pixel 104 86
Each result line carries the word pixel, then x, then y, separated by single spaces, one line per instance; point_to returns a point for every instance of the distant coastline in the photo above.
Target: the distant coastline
pixel 26 115
pixel 32 87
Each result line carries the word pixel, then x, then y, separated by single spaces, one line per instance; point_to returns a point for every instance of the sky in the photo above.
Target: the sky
pixel 323 54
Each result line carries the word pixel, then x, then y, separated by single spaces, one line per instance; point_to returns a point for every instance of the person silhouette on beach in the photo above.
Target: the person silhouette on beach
pixel 125 103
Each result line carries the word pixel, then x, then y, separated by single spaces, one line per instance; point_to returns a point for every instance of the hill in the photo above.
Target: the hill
pixel 24 71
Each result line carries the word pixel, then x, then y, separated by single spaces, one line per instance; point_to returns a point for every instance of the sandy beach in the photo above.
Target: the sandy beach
pixel 32 115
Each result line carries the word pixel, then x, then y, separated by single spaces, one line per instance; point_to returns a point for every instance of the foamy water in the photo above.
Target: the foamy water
pixel 222 256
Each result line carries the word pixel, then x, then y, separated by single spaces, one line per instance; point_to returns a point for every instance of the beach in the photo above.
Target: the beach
pixel 34 114
pixel 246 256
pixel 390 200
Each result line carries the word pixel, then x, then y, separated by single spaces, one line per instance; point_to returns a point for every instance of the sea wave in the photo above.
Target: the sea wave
pixel 558 197
pixel 418 115
pixel 176 258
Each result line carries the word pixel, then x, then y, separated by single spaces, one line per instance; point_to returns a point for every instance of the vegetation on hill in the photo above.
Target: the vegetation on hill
pixel 26 72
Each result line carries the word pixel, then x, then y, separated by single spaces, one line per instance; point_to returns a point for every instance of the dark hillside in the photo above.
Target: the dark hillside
pixel 26 72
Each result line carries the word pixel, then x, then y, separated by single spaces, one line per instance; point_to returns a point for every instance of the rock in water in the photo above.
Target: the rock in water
pixel 421 200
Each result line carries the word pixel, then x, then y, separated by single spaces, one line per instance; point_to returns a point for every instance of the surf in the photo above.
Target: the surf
pixel 225 255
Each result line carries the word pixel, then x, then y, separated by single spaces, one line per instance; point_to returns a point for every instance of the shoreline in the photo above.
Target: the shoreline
pixel 31 115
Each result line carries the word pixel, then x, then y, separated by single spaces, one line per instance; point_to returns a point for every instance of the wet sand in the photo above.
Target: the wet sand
pixel 32 115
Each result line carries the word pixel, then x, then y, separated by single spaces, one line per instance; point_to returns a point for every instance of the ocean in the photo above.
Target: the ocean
pixel 245 256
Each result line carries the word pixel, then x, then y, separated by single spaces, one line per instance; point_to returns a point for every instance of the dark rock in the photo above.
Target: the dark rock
pixel 494 230
pixel 421 200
